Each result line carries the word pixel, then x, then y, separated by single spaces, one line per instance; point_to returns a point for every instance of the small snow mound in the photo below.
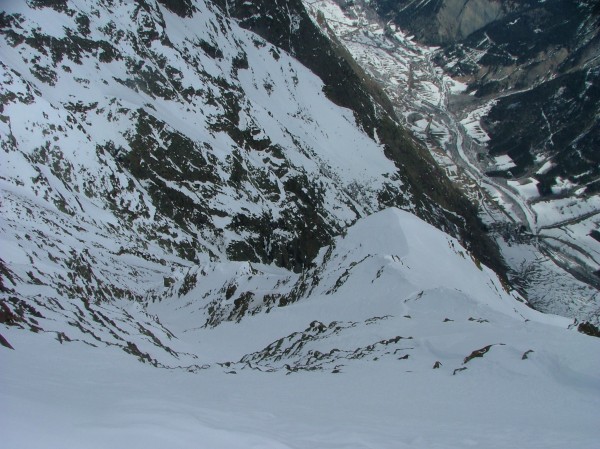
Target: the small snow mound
pixel 429 258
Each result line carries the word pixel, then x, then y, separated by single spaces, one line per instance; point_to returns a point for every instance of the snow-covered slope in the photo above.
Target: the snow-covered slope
pixel 178 112
pixel 397 339
pixel 140 140
pixel 177 191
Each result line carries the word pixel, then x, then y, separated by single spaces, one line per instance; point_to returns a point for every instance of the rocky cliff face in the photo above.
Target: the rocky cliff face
pixel 141 139
pixel 439 22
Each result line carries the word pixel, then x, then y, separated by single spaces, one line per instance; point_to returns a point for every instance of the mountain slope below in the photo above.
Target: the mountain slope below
pixel 398 339
pixel 547 238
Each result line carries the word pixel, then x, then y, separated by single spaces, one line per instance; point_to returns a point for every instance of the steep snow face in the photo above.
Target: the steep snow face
pixel 164 120
pixel 162 175
pixel 136 141
pixel 386 259
pixel 397 339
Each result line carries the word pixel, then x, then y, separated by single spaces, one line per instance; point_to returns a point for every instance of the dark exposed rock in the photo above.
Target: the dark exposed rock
pixel 6 315
pixel 183 8
pixel 477 353
pixel 525 355
pixel 588 329
pixel 4 342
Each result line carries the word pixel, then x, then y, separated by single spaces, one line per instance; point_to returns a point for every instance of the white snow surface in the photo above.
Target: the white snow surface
pixel 165 352
pixel 472 124
pixel 410 297
pixel 504 162
pixel 527 188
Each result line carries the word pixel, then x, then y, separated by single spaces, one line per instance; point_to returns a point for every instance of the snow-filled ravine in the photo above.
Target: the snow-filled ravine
pixel 400 340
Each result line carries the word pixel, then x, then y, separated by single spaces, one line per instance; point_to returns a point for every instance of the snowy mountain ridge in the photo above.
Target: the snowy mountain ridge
pixel 141 148
pixel 178 191
pixel 378 349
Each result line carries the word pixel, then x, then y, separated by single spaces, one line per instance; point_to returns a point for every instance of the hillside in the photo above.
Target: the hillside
pixel 397 339
pixel 215 233
pixel 509 113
